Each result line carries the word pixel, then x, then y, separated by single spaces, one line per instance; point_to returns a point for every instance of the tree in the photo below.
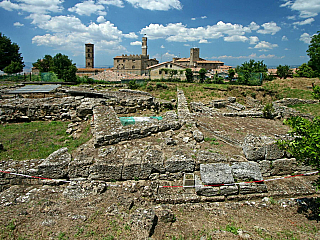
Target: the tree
pixel 60 64
pixel 45 64
pixel 189 75
pixel 284 71
pixel 305 146
pixel 202 74
pixel 247 70
pixel 252 66
pixel 305 71
pixel 314 53
pixel 9 55
pixel 231 73
pixel 14 67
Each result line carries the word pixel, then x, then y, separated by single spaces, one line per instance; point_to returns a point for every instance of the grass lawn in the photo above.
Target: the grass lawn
pixel 36 140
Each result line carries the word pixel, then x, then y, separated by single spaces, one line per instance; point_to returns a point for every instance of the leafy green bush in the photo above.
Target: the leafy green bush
pixel 268 111
pixel 316 91
pixel 305 146
pixel 133 84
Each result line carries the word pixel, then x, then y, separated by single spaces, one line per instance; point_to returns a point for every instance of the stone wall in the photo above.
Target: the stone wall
pixel 107 128
pixel 77 107
pixel 272 160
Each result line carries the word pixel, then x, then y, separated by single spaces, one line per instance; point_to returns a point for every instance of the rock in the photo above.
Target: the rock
pixel 216 173
pixel 229 190
pixel 247 171
pixel 179 163
pixel 152 162
pixel 143 223
pixel 247 188
pixel 165 215
pixel 273 151
pixel 198 136
pixel 265 167
pixel 284 166
pixel 56 165
pixel 253 148
pixel 80 190
pixel 204 157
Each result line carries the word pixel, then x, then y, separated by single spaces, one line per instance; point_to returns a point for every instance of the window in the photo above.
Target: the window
pixel 88 49
pixel 88 64
pixel 88 55
pixel 170 65
pixel 133 67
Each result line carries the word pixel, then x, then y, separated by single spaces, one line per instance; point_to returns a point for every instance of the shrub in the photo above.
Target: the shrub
pixel 133 84
pixel 268 111
pixel 316 91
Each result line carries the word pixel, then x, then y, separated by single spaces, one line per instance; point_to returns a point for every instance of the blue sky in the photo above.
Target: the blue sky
pixel 231 31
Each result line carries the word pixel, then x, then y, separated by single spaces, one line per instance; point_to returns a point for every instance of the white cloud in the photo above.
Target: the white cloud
pixel 69 33
pixel 136 43
pixel 251 56
pixel 307 9
pixel 204 17
pixel 284 38
pixel 18 24
pixel 162 46
pixel 292 17
pixel 265 46
pixel 269 28
pixel 162 5
pixel 177 32
pixel 101 19
pixel 305 22
pixel 253 40
pixel 306 38
pixel 253 26
pixel 33 6
pixel 87 8
pixel 203 41
pixel 236 38
pixel 193 19
pixel 117 3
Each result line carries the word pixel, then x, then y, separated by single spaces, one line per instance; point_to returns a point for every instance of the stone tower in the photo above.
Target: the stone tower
pixel 194 56
pixel 144 47
pixel 89 48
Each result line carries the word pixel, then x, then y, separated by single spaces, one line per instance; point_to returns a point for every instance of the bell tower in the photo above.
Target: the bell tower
pixel 144 47
pixel 89 51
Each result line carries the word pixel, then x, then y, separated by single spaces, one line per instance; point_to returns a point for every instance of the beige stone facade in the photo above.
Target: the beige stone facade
pixel 194 61
pixel 134 64
pixel 162 71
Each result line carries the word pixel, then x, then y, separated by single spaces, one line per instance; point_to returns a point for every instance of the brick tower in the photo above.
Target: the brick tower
pixel 144 47
pixel 89 48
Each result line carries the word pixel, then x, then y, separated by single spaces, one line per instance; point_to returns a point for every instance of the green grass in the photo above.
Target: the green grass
pixel 36 140
pixel 296 93
pixel 313 109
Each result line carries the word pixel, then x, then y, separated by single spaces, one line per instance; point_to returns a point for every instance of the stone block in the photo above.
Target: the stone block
pixel 179 163
pixel 80 167
pixel 284 166
pixel 253 148
pixel 265 168
pixel 216 173
pixel 248 188
pixel 229 190
pixel 246 171
pixel 105 171
pixel 131 168
pixel 273 152
pixel 56 165
pixel 152 162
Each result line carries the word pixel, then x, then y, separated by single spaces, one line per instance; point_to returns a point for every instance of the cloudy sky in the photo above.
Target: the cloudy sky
pixel 232 31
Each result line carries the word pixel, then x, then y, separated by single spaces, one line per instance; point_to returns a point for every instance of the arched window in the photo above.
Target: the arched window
pixel 133 67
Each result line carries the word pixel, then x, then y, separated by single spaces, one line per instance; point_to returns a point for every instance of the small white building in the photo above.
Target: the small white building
pixel 167 70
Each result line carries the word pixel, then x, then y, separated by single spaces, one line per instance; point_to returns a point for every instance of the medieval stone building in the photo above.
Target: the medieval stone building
pixel 134 64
